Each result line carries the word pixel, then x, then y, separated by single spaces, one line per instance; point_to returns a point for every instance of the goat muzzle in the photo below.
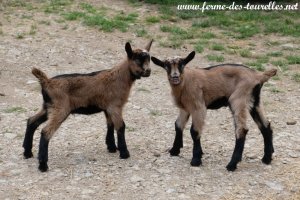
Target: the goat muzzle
pixel 175 80
pixel 146 73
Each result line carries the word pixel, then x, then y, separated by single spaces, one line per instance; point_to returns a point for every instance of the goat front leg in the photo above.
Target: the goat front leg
pixel 119 125
pixel 196 131
pixel 239 115
pixel 179 126
pixel 110 138
pixel 32 124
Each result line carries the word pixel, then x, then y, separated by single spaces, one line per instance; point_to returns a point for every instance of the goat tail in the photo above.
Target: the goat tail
pixel 41 76
pixel 268 74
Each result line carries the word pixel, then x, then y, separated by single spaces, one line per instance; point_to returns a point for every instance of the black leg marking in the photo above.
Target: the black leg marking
pixel 124 153
pixel 110 139
pixel 237 154
pixel 43 153
pixel 31 127
pixel 267 133
pixel 197 149
pixel 178 143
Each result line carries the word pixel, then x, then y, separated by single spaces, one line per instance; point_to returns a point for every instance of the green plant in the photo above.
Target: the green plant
pixel 15 110
pixel 296 77
pixel 33 28
pixel 217 58
pixel 152 19
pixel 217 47
pixel 140 32
pixel 20 35
pixel 199 47
pixel 74 15
pixel 246 53
pixel 293 59
pixel 275 54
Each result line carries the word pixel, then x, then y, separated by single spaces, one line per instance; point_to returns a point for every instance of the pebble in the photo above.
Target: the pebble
pixel 184 196
pixel 274 185
pixel 293 155
pixel 170 190
pixel 31 81
pixel 292 122
pixel 10 135
pixel 136 178
pixel 156 154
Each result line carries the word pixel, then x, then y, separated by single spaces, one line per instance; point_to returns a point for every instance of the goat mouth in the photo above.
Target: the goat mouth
pixel 146 74
pixel 175 80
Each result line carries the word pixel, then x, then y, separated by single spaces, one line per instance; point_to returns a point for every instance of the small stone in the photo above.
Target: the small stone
pixel 184 196
pixel 292 122
pixel 2 94
pixel 31 82
pixel 136 178
pixel 10 135
pixel 170 190
pixel 274 185
pixel 253 183
pixel 156 154
pixel 293 155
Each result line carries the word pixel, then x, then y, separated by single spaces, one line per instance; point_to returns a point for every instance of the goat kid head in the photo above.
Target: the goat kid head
pixel 139 60
pixel 174 67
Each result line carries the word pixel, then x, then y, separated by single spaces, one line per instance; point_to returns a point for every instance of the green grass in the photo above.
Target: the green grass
pixel 296 77
pixel 88 7
pixel 275 90
pixel 256 65
pixel 155 113
pixel 293 59
pixel 20 35
pixel 217 47
pixel 199 47
pixel 275 54
pixel 140 32
pixel 152 19
pixel 246 53
pixel 217 58
pixel 33 28
pixel 15 3
pixel 207 35
pixel 73 15
pixel 56 6
pixel 15 110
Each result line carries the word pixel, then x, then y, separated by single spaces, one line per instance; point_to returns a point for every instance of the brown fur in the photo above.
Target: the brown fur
pixel 106 91
pixel 196 90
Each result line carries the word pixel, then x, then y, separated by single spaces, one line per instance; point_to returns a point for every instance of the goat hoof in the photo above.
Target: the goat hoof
pixel 124 155
pixel 231 167
pixel 112 149
pixel 196 162
pixel 266 159
pixel 28 154
pixel 43 167
pixel 174 152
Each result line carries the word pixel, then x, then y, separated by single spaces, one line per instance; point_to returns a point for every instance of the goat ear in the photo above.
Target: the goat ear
pixel 128 50
pixel 148 46
pixel 158 62
pixel 189 57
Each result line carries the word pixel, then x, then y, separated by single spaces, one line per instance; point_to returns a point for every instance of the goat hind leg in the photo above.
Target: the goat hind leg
pixel 267 132
pixel 32 124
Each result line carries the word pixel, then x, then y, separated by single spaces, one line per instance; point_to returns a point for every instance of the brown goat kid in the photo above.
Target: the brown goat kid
pixel 106 90
pixel 233 85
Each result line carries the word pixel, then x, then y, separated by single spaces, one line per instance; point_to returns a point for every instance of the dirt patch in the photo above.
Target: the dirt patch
pixel 81 167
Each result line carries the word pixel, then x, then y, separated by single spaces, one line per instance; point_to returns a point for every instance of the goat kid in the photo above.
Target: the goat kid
pixel 233 85
pixel 106 91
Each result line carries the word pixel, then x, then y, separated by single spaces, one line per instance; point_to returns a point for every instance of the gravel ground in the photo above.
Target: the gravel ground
pixel 80 166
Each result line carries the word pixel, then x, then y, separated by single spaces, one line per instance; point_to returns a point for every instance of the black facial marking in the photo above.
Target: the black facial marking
pixel 87 110
pixel 141 58
pixel 218 103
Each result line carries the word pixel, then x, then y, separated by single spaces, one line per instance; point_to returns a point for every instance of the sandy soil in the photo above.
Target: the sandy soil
pixel 80 166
